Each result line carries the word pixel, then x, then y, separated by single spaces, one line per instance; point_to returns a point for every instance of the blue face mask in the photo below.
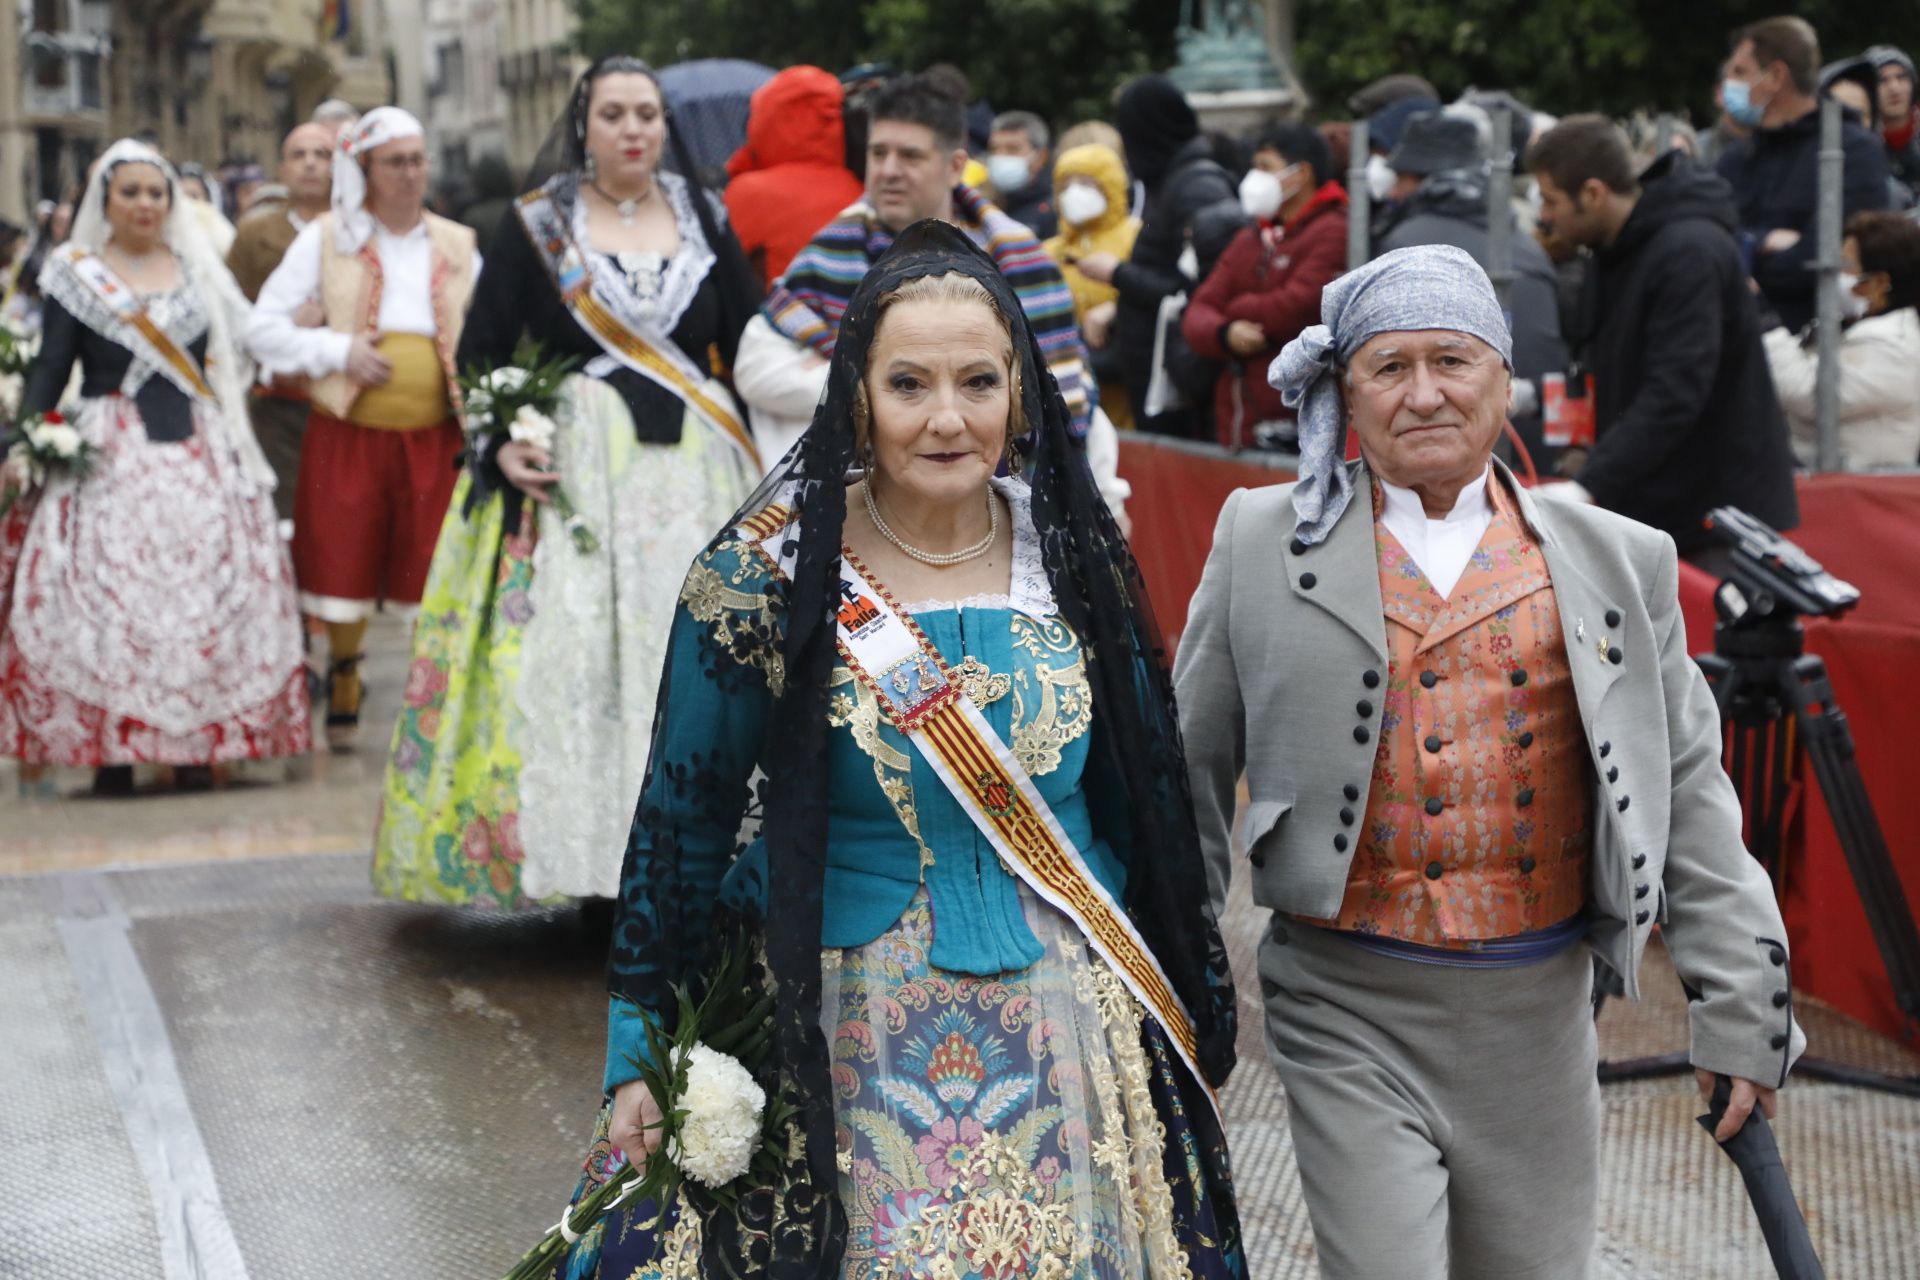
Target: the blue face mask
pixel 1736 96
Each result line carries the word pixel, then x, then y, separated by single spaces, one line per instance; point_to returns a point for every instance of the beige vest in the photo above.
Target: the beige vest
pixel 350 295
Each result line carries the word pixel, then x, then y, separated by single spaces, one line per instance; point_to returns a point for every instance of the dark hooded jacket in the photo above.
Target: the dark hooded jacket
pixel 1686 415
pixel 1775 176
pixel 1451 208
pixel 1185 186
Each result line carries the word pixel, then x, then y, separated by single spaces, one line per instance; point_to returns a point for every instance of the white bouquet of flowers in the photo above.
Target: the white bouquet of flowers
pixel 518 401
pixel 718 1128
pixel 40 448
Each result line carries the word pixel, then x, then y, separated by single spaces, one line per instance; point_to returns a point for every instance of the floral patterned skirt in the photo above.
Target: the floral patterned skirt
pixel 1023 1124
pixel 523 740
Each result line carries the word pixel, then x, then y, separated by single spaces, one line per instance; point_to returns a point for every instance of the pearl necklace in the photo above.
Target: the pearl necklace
pixel 937 559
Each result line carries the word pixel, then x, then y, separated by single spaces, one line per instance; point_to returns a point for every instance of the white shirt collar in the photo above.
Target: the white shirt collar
pixel 417 232
pixel 1472 503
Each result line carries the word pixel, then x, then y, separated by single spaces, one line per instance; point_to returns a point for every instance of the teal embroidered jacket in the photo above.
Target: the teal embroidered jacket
pixel 891 823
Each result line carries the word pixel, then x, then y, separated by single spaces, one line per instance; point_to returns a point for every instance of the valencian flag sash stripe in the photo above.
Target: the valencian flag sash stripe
pixel 888 653
pixel 179 367
pixel 653 356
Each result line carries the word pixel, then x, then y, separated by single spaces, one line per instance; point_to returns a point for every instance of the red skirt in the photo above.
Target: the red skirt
pixel 368 513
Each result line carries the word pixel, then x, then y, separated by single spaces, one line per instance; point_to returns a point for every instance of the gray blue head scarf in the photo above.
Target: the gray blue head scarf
pixel 1425 287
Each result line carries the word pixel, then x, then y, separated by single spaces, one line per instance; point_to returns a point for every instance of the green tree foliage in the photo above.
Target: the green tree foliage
pixel 1060 58
pixel 1564 55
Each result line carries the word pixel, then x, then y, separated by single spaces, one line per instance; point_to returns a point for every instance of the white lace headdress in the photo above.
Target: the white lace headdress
pixel 229 369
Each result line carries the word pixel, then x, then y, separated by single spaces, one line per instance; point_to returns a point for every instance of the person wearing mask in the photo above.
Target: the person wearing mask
pixel 1090 191
pixel 1879 351
pixel 1899 122
pixel 377 464
pixel 1017 165
pixel 1167 152
pixel 916 154
pixel 1385 128
pixel 1266 287
pixel 1440 197
pixel 1685 411
pixel 280 405
pixel 790 178
pixel 1771 87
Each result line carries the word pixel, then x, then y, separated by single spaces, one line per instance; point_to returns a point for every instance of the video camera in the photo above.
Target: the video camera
pixel 1769 578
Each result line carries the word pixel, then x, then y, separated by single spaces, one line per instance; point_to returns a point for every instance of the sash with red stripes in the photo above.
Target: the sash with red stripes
pixel 888 652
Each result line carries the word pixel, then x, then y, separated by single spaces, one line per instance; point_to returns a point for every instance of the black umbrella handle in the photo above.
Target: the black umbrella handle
pixel 1755 1153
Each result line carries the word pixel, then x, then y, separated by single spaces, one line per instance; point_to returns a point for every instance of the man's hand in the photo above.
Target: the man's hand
pixel 1097 328
pixel 1098 267
pixel 365 364
pixel 1740 1106
pixel 1246 338
pixel 1779 239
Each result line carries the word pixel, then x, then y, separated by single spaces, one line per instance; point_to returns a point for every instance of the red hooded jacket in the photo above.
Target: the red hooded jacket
pixel 1271 275
pixel 791 178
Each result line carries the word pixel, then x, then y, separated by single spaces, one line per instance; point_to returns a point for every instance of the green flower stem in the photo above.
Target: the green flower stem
pixel 583 540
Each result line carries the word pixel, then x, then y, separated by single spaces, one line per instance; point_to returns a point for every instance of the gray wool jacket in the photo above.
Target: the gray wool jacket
pixel 1282 643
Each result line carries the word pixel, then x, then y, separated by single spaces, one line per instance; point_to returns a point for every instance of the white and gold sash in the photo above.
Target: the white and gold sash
pixel 888 652
pixel 652 355
pixel 137 331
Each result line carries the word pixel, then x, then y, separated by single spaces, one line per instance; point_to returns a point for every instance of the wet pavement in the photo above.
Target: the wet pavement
pixel 224 1058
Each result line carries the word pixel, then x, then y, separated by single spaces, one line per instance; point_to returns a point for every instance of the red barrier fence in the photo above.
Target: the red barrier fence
pixel 1865 529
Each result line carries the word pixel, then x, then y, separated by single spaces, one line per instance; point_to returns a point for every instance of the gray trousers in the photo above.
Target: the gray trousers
pixel 1446 1121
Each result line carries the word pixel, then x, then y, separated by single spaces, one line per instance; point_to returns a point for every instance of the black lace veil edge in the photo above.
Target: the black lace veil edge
pixel 1099 590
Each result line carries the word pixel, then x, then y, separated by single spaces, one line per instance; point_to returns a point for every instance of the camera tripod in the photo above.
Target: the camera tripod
pixel 1776 701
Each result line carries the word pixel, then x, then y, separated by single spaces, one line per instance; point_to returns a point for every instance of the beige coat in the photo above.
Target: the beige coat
pixel 1271 675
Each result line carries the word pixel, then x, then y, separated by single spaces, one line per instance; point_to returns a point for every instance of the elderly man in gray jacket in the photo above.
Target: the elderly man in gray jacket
pixel 1473 741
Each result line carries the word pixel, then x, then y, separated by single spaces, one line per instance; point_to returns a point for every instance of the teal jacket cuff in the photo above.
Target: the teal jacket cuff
pixel 626 1042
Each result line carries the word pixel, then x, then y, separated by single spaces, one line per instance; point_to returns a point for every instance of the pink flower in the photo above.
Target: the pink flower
pixel 508 830
pixel 1047 1171
pixel 478 842
pixel 425 682
pixel 944 1152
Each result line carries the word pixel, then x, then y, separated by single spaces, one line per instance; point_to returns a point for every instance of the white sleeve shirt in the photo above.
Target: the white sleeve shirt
pixel 1440 547
pixel 406 301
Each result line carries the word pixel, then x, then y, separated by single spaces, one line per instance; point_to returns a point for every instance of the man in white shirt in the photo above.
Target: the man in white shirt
pixel 377 466
pixel 1476 750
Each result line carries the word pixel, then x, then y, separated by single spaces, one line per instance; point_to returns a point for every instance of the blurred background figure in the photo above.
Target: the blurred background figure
pixel 1879 351
pixel 1018 166
pixel 1266 287
pixel 1091 195
pixel 791 177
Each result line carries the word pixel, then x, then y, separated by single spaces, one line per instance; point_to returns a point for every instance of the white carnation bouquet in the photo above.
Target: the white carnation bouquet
pixel 42 447
pixel 518 401
pixel 719 1129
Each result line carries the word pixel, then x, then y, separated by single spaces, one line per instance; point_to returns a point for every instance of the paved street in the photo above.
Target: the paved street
pixel 224 1058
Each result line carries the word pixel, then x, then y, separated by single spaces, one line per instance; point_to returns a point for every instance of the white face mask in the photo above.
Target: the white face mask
pixel 1852 305
pixel 1260 194
pixel 1081 204
pixel 1008 173
pixel 1380 178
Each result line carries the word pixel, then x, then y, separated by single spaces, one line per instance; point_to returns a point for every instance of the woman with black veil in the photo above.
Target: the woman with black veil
pixel 522 739
pixel 916 738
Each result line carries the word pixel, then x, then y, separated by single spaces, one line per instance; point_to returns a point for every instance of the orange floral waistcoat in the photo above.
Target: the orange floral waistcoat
pixel 1477 824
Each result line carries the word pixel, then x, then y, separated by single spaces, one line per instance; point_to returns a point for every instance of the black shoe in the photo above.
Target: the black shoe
pixel 343 727
pixel 114 780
